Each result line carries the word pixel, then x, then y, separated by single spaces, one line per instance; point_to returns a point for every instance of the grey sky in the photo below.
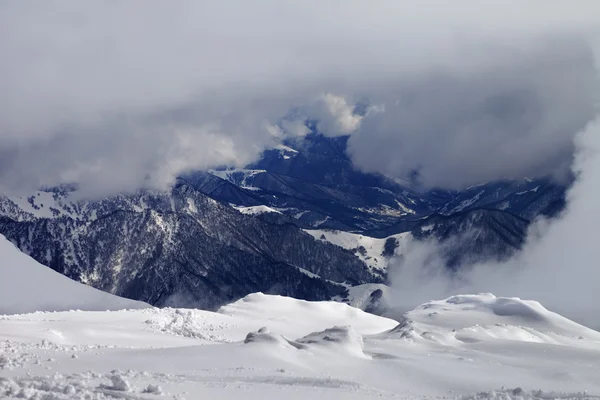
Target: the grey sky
pixel 116 96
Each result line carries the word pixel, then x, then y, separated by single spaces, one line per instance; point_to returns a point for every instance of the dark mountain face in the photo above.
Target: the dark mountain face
pixel 474 235
pixel 526 199
pixel 185 249
pixel 192 247
pixel 314 184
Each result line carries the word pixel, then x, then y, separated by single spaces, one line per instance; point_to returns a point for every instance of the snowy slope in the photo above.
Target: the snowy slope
pixel 271 347
pixel 40 204
pixel 27 286
pixel 362 296
pixel 294 317
pixel 238 176
pixel 254 210
pixel 370 250
pixel 485 317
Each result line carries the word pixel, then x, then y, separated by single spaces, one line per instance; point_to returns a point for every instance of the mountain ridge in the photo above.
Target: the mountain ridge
pixel 218 235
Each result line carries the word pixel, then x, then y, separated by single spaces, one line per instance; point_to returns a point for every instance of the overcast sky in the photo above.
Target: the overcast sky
pixel 117 96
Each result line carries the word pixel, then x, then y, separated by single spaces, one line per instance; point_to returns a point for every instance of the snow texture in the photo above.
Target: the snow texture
pixel 273 347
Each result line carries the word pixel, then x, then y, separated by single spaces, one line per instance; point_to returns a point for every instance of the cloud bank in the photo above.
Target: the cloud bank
pixel 557 266
pixel 114 96
pixel 498 122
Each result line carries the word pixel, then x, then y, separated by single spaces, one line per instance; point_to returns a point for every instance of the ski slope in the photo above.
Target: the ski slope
pixel 272 347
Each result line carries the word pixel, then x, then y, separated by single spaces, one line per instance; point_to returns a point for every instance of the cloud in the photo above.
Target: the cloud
pixel 558 265
pixel 338 117
pixel 119 97
pixel 505 121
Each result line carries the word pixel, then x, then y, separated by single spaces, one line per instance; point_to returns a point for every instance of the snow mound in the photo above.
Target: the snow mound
pixel 339 339
pixel 475 318
pixel 506 307
pixel 196 324
pixel 404 330
pixel 343 338
pixel 88 385
pixel 27 286
pixel 263 335
pixel 119 383
pixel 370 297
pixel 294 318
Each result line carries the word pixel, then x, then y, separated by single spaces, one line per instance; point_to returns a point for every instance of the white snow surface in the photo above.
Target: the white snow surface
pixel 40 204
pixel 241 174
pixel 352 241
pixel 359 296
pixel 272 347
pixel 255 210
pixel 27 286
pixel 286 151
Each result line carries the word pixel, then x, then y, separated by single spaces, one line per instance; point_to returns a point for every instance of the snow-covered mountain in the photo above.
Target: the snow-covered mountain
pixel 27 286
pixel 301 222
pixel 271 347
pixel 316 185
pixel 178 248
pixel 312 182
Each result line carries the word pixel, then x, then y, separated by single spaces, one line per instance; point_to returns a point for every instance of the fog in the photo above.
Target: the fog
pixel 116 97
pixel 558 266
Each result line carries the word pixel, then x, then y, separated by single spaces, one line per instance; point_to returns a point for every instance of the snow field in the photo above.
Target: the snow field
pixel 272 347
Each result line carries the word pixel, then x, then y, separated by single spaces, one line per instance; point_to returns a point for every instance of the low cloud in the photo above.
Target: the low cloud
pixel 557 266
pixel 507 121
pixel 117 97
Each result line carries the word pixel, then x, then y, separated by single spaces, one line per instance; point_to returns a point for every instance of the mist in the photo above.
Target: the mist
pixel 558 265
pixel 114 97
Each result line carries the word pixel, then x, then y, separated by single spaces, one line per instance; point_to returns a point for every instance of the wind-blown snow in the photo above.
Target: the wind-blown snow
pixel 273 347
pixel 27 286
